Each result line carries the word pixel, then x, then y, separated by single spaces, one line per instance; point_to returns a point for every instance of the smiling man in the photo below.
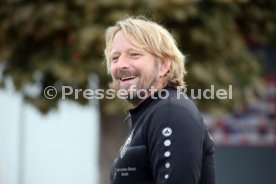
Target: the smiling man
pixel 168 142
pixel 132 66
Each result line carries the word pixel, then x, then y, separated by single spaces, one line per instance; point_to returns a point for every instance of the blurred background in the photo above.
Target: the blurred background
pixel 60 43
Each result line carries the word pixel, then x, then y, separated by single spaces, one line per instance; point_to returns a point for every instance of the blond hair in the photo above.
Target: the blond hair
pixel 153 38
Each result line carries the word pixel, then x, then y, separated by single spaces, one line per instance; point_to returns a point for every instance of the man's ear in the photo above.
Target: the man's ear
pixel 165 64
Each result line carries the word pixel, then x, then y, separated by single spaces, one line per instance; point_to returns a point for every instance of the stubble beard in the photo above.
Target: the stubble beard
pixel 141 89
pixel 136 92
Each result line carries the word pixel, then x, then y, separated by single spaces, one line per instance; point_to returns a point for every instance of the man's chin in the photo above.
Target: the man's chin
pixel 128 87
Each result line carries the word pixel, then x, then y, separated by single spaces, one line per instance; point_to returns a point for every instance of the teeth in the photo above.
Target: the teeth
pixel 127 78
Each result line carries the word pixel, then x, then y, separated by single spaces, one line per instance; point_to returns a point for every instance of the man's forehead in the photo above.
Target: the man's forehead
pixel 124 41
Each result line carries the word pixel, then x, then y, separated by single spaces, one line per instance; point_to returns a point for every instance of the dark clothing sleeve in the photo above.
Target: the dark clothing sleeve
pixel 208 161
pixel 179 146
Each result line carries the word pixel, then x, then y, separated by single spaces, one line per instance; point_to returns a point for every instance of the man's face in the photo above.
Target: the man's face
pixel 132 66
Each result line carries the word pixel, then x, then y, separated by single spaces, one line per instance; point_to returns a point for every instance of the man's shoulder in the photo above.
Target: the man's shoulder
pixel 175 106
pixel 180 113
pixel 176 100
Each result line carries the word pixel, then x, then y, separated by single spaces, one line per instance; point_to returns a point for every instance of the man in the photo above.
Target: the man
pixel 168 141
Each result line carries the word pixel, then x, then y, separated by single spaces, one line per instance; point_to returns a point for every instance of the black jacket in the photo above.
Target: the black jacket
pixel 168 143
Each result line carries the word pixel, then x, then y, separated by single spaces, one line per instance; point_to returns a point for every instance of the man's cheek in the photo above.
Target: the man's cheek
pixel 113 76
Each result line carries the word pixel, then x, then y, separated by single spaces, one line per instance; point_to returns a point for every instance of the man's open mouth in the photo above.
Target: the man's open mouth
pixel 127 78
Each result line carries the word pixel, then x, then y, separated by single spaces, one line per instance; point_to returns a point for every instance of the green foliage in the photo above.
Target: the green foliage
pixel 64 42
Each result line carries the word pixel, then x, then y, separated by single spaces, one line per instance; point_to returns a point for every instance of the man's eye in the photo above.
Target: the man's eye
pixel 135 54
pixel 114 59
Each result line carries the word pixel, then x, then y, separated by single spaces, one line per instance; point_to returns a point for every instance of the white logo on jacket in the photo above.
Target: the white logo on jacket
pixel 167 131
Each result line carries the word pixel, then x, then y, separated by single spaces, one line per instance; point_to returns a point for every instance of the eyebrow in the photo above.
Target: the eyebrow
pixel 128 50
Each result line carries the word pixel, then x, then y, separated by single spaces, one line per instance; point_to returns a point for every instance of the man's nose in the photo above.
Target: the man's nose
pixel 122 61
